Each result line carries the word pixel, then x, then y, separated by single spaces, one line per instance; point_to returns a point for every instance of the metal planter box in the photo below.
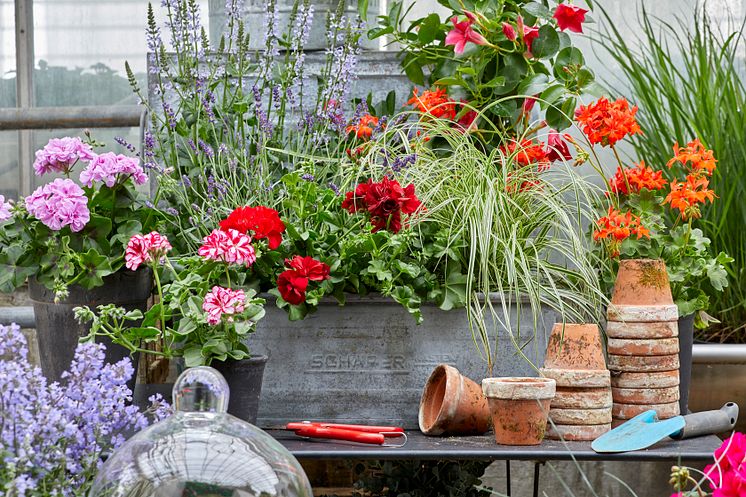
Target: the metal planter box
pixel 368 361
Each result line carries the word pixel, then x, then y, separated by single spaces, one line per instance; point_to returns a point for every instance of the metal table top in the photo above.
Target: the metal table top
pixel 484 448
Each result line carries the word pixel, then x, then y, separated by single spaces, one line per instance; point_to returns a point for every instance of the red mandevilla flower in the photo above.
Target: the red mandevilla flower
pixel 570 17
pixel 292 286
pixel 461 34
pixel 309 267
pixel 262 221
pixel 557 148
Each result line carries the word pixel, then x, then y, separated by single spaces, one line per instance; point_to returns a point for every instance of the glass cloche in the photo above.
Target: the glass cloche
pixel 201 451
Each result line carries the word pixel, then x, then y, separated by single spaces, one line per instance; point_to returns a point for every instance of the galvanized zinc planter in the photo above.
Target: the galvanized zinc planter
pixel 369 360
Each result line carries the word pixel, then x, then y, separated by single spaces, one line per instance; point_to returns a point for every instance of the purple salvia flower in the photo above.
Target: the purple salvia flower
pixel 307 177
pixel 234 9
pixel 207 149
pixel 121 141
pixel 335 189
pixel 192 145
pixel 185 181
pixel 171 211
pixel 168 111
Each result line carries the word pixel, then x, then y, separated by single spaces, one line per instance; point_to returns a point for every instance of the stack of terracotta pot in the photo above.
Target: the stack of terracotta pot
pixel 581 408
pixel 643 342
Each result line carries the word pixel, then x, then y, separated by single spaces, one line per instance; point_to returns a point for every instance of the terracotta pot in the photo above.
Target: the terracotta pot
pixel 519 408
pixel 577 433
pixel 452 404
pixel 575 346
pixel 643 364
pixel 581 398
pixel 658 379
pixel 642 282
pixel 629 411
pixel 585 378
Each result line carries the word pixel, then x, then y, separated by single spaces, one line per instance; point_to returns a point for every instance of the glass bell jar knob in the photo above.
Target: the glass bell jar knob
pixel 201 451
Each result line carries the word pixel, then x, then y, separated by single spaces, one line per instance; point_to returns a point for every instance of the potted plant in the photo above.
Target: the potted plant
pixel 68 237
pixel 653 218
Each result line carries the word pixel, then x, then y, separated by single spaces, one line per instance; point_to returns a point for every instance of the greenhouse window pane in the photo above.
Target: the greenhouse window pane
pixel 9 164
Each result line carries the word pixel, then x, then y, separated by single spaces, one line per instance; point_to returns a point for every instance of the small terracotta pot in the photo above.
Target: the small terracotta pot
pixel 452 404
pixel 519 408
pixel 642 282
pixel 575 346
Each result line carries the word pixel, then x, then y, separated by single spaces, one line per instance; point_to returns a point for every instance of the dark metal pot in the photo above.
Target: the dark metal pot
pixel 244 378
pixel 686 342
pixel 58 331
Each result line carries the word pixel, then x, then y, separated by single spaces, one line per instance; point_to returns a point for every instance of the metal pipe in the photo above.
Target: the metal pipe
pixel 719 353
pixel 115 116
pixel 22 316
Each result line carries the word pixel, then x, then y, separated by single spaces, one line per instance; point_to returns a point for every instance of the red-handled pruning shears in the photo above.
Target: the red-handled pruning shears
pixel 375 435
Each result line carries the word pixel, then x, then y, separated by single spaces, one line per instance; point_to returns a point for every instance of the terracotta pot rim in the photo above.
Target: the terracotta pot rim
pixel 448 404
pixel 642 313
pixel 519 388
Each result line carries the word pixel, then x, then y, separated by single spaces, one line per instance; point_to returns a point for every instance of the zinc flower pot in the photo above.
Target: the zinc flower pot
pixel 686 344
pixel 452 404
pixel 244 379
pixel 57 330
pixel 368 361
pixel 519 408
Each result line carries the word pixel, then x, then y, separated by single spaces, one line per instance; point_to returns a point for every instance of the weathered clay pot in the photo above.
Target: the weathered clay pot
pixel 575 346
pixel 577 433
pixel 646 395
pixel 452 404
pixel 641 282
pixel 654 380
pixel 643 346
pixel 519 408
pixel 641 364
pixel 629 411
pixel 581 398
pixel 581 416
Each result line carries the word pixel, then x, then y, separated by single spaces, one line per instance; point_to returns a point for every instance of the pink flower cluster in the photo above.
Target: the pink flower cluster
pixel 5 213
pixel 143 249
pixel 58 204
pixel 60 154
pixel 223 301
pixel 728 476
pixel 106 168
pixel 229 246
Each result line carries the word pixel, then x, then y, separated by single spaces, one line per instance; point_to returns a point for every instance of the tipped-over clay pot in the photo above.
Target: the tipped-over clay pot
pixel 452 404
pixel 642 282
pixel 519 408
pixel 575 346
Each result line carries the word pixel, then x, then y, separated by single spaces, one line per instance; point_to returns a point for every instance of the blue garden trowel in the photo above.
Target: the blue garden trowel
pixel 644 430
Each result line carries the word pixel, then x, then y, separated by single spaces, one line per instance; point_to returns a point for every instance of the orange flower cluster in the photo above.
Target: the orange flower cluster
pixel 527 152
pixel 632 180
pixel 616 227
pixel 364 128
pixel 700 159
pixel 686 196
pixel 607 122
pixel 434 102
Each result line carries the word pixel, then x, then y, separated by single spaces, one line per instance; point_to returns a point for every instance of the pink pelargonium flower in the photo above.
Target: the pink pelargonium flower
pixel 107 168
pixel 728 476
pixel 229 246
pixel 58 204
pixel 557 148
pixel 5 213
pixel 60 154
pixel 461 34
pixel 570 17
pixel 146 249
pixel 221 302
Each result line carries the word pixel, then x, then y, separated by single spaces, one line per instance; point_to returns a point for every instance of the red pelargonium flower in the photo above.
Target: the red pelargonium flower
pixel 292 286
pixel 364 127
pixel 616 227
pixel 607 122
pixel 527 152
pixel 228 246
pixel 632 180
pixel 309 267
pixel 385 201
pixel 262 221
pixel 687 196
pixel 570 17
pixel 462 33
pixel 557 148
pixel 221 302
pixel 700 159
pixel 434 102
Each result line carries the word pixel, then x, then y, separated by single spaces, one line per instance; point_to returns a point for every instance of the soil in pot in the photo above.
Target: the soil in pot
pixel 58 331
pixel 244 379
pixel 452 404
pixel 519 408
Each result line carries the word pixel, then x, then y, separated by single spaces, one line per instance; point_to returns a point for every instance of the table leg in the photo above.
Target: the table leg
pixel 537 466
pixel 507 477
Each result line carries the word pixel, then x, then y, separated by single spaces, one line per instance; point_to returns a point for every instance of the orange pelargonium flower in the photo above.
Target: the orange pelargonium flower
pixel 616 227
pixel 686 196
pixel 702 160
pixel 364 128
pixel 632 180
pixel 434 102
pixel 527 152
pixel 607 122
